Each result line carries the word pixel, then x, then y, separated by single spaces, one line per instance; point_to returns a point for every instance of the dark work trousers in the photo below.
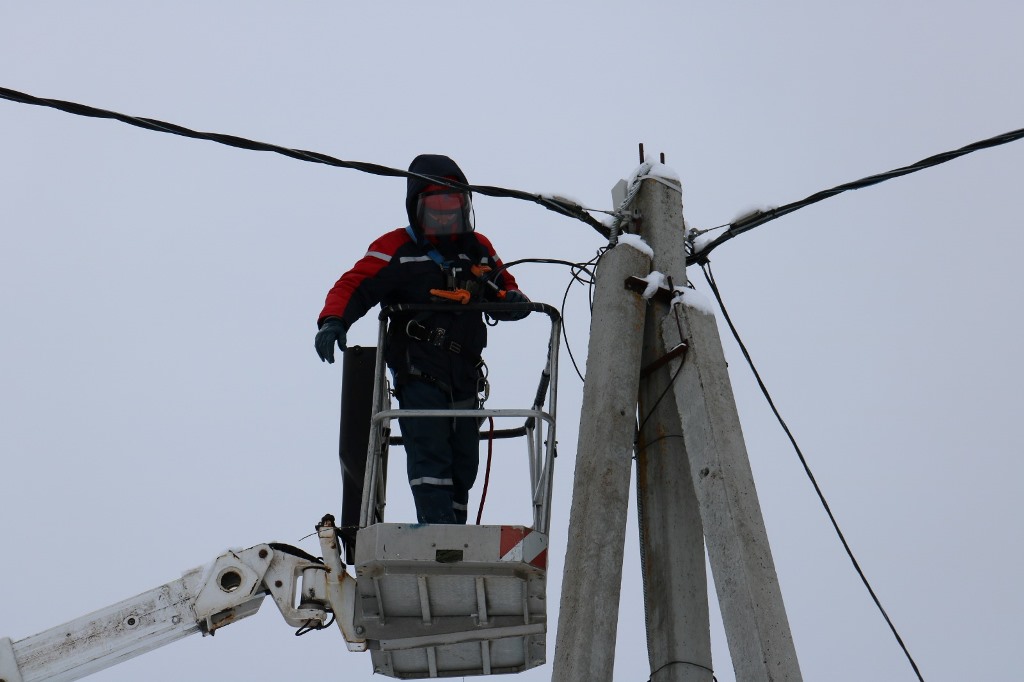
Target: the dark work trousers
pixel 442 453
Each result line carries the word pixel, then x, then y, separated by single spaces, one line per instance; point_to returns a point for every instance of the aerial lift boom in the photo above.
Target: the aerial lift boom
pixel 426 600
pixel 205 599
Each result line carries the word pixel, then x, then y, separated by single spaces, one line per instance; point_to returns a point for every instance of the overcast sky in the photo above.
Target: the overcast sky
pixel 161 399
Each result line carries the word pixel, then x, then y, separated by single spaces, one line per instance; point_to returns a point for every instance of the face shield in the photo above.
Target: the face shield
pixel 444 212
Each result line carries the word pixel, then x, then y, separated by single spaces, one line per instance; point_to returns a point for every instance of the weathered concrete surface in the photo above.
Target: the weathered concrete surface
pixel 588 616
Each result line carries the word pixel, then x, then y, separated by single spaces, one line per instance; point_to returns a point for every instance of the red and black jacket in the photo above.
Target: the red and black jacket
pixel 396 269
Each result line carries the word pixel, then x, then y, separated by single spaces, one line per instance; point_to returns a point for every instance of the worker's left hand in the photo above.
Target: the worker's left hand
pixel 513 296
pixel 331 331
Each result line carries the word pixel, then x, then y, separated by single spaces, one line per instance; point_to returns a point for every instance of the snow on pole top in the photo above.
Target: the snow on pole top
pixel 654 169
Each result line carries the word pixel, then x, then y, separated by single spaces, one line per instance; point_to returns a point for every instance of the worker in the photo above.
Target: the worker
pixel 435 357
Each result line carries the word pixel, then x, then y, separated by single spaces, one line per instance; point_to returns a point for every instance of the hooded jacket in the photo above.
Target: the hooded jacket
pixel 432 166
pixel 399 267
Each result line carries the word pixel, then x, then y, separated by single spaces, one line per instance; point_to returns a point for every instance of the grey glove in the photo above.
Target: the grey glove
pixel 332 330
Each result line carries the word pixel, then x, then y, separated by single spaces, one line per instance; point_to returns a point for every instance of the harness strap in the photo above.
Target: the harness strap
pixel 434 254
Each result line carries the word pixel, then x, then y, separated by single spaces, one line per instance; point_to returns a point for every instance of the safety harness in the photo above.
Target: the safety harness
pixel 461 290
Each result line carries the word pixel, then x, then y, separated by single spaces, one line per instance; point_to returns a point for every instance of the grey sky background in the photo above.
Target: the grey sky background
pixel 161 400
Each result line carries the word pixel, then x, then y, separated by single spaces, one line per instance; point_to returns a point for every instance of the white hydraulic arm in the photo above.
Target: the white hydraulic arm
pixel 203 600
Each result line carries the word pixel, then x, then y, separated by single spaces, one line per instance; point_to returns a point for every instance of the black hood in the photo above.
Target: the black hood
pixel 435 165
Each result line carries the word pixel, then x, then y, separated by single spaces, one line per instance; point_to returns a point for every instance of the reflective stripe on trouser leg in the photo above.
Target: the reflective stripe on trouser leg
pixel 465 442
pixel 433 503
pixel 440 464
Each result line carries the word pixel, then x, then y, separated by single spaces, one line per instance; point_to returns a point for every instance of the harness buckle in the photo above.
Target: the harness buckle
pixel 436 336
pixel 415 330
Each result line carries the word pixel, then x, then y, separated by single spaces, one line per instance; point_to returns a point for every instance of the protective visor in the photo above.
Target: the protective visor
pixel 445 212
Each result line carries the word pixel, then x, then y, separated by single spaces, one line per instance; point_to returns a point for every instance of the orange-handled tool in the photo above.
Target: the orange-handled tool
pixel 457 295
pixel 479 271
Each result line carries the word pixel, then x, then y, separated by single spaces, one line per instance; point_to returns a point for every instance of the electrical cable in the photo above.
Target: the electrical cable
pixel 295 551
pixel 565 335
pixel 593 262
pixel 550 261
pixel 576 269
pixel 668 387
pixel 659 438
pixel 487 471
pixel 637 450
pixel 709 276
pixel 671 382
pixel 593 281
pixel 683 663
pixel 312 625
pixel 758 218
pixel 556 204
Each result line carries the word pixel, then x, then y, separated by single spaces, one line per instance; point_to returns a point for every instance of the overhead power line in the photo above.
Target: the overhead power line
pixel 558 205
pixel 709 276
pixel 758 218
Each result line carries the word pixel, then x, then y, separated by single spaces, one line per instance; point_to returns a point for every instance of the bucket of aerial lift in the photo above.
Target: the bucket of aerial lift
pixel 451 600
pixel 435 600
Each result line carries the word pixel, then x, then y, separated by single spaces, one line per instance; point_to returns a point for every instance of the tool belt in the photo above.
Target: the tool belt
pixel 435 337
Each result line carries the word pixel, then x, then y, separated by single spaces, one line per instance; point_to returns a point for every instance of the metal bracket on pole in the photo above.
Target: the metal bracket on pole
pixel 678 351
pixel 639 285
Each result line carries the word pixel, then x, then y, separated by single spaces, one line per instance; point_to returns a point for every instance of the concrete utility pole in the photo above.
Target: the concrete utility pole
pixel 671 532
pixel 748 590
pixel 588 616
pixel 694 480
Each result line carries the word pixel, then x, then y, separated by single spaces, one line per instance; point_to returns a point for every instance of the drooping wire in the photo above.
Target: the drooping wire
pixel 556 204
pixel 311 625
pixel 758 218
pixel 565 336
pixel 487 471
pixel 709 276
pixel 577 270
pixel 675 375
pixel 640 507
pixel 550 261
pixel 690 663
pixel 553 203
